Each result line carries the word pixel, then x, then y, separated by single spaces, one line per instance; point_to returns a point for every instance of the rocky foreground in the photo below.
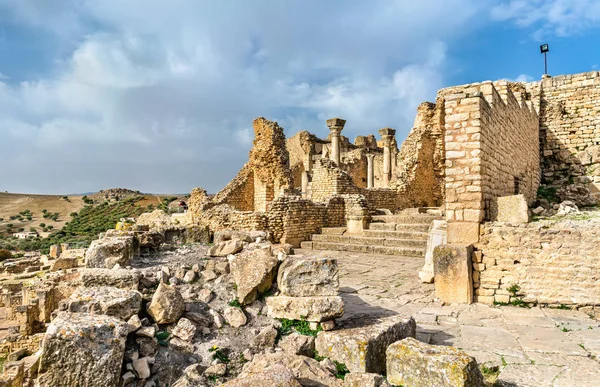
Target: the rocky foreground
pixel 242 312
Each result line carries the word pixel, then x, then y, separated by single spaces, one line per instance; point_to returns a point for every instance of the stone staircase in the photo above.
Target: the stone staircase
pixel 404 234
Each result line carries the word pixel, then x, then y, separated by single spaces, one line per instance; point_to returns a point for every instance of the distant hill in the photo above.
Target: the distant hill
pixel 69 218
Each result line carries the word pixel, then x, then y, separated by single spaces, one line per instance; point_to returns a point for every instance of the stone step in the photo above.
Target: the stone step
pixel 362 240
pixel 400 234
pixel 419 219
pixel 333 230
pixel 356 248
pixel 399 227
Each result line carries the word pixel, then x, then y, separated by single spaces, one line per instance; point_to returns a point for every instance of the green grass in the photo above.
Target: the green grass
pixel 340 370
pixel 300 326
pixel 219 353
pixel 235 303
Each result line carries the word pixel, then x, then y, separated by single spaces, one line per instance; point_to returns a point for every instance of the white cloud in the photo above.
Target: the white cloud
pixel 165 101
pixel 555 17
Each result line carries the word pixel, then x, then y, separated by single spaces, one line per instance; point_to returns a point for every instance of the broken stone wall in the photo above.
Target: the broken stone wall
pixel 570 134
pixel 491 150
pixel 552 262
pixel 238 193
pixel 419 175
pixel 329 180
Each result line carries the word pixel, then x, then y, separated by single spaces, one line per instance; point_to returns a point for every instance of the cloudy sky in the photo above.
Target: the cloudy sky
pixel 160 95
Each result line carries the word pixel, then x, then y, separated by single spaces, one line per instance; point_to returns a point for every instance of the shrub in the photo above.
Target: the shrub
pixel 87 200
pixel 43 225
pixel 5 254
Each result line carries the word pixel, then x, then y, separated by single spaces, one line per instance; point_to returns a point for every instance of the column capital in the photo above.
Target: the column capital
pixel 387 132
pixel 370 156
pixel 336 123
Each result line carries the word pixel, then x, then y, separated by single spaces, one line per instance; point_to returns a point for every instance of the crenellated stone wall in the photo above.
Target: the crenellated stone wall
pixel 569 109
pixel 491 150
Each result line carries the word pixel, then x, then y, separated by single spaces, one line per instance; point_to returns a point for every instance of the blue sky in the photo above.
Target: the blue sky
pixel 159 96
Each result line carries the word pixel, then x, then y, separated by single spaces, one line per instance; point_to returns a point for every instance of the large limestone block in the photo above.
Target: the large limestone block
pixel 305 277
pixel 106 300
pixel 118 278
pixel 167 304
pixel 361 342
pixel 223 249
pixel 253 273
pixel 314 309
pixel 512 209
pixel 365 380
pixel 63 264
pixel 245 236
pixel 453 273
pixel 106 253
pixel 81 349
pixel 307 371
pixel 276 375
pixel 411 363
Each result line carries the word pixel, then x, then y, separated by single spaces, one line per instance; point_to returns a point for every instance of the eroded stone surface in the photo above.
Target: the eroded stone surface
pixel 106 300
pixel 253 273
pixel 315 309
pixel 302 277
pixel 108 252
pixel 361 342
pixel 412 363
pixel 167 304
pixel 80 349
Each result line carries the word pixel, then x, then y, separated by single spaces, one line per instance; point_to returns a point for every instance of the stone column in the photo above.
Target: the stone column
pixel 387 135
pixel 304 184
pixel 335 126
pixel 370 174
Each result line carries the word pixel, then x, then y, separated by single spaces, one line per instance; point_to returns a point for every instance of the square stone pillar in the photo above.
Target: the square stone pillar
pixel 453 272
pixel 335 126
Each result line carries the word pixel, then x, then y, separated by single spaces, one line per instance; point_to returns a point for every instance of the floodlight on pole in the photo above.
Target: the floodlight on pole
pixel 544 48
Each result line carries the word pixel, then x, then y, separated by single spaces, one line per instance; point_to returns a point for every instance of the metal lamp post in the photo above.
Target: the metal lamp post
pixel 544 50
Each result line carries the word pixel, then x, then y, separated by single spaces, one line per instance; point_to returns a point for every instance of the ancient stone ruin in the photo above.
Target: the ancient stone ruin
pixel 283 278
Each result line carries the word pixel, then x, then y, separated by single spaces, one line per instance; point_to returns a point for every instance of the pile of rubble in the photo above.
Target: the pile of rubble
pixel 242 312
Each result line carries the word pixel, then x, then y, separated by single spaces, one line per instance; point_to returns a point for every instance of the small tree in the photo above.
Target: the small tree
pixel 42 225
pixel 5 254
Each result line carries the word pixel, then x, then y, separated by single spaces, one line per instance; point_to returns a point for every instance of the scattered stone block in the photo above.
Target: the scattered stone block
pixel 512 209
pixel 453 273
pixel 302 277
pixel 275 375
pixel 307 371
pixel 413 363
pixel 253 273
pixel 184 329
pixel 223 249
pixel 235 316
pixel 81 349
pixel 108 252
pixel 118 278
pixel 361 342
pixel 106 300
pixel 365 380
pixel 265 339
pixel 167 304
pixel 64 264
pixel 298 344
pixel 315 309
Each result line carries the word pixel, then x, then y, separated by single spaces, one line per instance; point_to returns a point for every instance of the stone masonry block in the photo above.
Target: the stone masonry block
pixel 361 342
pixel 453 273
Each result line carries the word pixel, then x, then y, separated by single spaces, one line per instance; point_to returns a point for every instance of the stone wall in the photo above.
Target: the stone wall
pixel 491 150
pixel 569 108
pixel 328 180
pixel 238 193
pixel 382 198
pixel 419 175
pixel 552 262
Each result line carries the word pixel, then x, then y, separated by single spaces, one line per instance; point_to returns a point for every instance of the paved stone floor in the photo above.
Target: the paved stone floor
pixel 530 347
